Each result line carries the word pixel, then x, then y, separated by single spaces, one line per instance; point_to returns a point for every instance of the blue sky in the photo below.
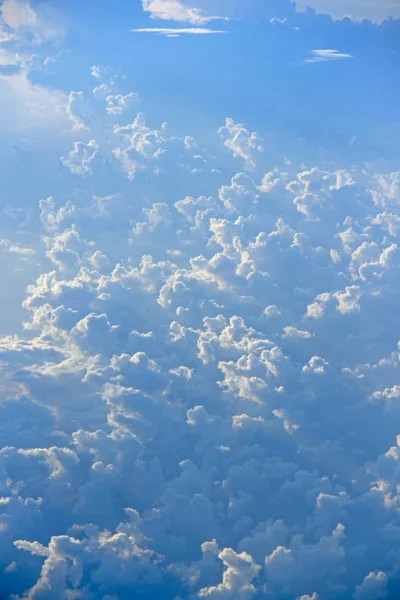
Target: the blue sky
pixel 199 327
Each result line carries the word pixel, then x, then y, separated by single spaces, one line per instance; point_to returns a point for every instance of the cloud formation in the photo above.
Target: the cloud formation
pixel 199 396
pixel 199 407
pixel 19 17
pixel 354 9
pixel 175 10
pixel 327 55
pixel 176 32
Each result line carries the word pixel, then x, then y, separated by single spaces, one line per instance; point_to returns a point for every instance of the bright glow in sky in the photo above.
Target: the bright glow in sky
pixel 200 279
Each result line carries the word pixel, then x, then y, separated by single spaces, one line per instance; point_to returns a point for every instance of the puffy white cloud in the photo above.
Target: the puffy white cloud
pixel 143 148
pixel 372 587
pixel 81 159
pixel 241 142
pixel 176 10
pixel 142 139
pixel 240 570
pixel 241 195
pixel 117 557
pixel 118 103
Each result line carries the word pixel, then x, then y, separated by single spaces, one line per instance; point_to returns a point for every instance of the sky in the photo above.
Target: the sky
pixel 199 325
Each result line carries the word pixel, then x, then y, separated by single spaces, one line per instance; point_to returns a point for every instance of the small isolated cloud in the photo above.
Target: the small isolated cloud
pixel 278 21
pixel 7 246
pixel 168 32
pixel 174 10
pixel 325 55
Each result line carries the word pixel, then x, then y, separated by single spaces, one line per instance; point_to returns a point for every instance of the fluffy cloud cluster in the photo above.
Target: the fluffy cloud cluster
pixel 175 10
pixel 205 400
pixel 354 9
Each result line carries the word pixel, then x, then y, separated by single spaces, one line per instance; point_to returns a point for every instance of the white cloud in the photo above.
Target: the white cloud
pixel 373 587
pixel 278 21
pixel 24 252
pixel 240 570
pixel 30 104
pixel 81 159
pixel 175 32
pixel 75 110
pixel 327 55
pixel 18 14
pixel 20 17
pixel 118 103
pixel 355 9
pixel 241 142
pixel 175 10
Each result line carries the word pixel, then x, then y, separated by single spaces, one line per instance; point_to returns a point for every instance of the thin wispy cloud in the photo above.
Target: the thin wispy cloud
pixel 327 54
pixel 172 32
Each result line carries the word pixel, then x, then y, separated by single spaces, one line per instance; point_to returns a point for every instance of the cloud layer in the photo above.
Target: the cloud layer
pixel 201 407
pixel 199 397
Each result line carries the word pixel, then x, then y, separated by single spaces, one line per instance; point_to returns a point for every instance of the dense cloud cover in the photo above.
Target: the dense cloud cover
pixel 203 398
pixel 204 404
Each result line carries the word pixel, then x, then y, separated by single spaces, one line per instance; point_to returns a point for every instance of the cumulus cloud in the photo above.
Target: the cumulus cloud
pixel 75 110
pixel 354 9
pixel 117 104
pixel 241 142
pixel 139 148
pixel 176 10
pixel 373 586
pixel 81 159
pixel 204 398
